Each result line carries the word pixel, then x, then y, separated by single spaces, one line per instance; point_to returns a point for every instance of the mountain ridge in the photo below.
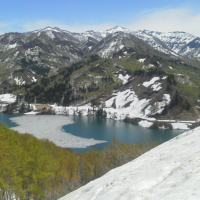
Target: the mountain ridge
pixel 73 68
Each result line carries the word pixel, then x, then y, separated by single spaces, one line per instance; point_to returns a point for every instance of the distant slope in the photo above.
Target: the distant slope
pixel 174 43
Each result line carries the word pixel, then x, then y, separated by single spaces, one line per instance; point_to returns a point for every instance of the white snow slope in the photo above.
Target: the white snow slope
pixel 169 171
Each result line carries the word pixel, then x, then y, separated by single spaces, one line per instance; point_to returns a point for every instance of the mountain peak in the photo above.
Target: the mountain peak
pixel 118 28
pixel 48 28
pixel 90 31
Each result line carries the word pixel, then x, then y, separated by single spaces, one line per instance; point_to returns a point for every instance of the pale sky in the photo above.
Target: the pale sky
pixel 83 15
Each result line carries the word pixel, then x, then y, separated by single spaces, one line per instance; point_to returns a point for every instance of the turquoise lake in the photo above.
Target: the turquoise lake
pixel 107 129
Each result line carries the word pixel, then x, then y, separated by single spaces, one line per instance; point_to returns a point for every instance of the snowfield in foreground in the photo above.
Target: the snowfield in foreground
pixel 169 171
pixel 50 127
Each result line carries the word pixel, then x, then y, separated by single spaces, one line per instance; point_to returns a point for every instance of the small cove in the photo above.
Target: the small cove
pixel 107 129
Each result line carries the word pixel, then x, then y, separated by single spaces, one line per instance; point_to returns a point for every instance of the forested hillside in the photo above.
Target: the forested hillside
pixel 39 170
pixel 95 79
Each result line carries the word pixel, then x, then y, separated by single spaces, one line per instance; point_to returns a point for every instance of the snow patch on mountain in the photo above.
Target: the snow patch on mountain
pixel 9 98
pixel 83 37
pixel 50 34
pixel 151 82
pixel 121 47
pixel 125 104
pixel 19 81
pixel 158 107
pixel 164 77
pixel 12 46
pixel 33 51
pixel 145 123
pixel 106 51
pixel 16 53
pixel 156 87
pixel 142 60
pixel 34 79
pixel 124 78
pixel 180 125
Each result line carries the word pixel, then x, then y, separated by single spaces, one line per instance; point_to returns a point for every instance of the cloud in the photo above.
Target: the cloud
pixel 163 19
pixel 74 28
pixel 169 20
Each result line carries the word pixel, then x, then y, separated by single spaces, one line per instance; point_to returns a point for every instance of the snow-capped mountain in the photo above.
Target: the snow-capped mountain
pixel 113 43
pixel 27 57
pixel 174 43
pixel 115 29
pixel 99 35
pixel 169 171
pixel 50 49
pixel 120 41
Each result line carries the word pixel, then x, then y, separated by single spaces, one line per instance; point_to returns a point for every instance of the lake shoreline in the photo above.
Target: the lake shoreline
pixel 144 121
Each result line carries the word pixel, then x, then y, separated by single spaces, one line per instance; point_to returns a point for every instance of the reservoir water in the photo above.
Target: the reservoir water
pixel 107 129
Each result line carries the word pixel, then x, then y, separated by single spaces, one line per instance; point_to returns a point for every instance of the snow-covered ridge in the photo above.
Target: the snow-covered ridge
pixel 116 29
pixel 169 171
pixel 172 43
pixel 103 43
pixel 98 35
pixel 102 34
pixel 48 28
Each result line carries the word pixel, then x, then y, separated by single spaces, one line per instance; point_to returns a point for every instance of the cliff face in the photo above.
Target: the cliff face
pixel 170 171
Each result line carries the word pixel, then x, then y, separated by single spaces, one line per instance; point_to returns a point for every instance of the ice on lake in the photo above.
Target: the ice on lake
pixel 50 127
